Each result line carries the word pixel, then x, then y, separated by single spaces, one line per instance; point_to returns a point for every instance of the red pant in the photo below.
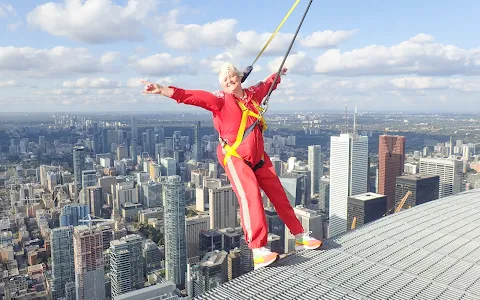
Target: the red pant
pixel 246 184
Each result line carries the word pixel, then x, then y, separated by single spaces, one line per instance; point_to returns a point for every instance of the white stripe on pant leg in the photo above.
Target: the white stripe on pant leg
pixel 243 198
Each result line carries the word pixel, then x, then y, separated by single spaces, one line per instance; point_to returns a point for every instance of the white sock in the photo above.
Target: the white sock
pixel 299 236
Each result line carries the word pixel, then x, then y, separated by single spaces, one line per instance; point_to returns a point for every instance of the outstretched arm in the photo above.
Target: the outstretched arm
pixel 261 89
pixel 198 98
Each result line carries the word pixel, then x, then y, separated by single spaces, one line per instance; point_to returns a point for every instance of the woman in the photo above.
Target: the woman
pixel 248 167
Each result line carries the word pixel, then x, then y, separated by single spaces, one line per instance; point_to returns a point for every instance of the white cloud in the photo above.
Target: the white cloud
pixel 8 83
pixel 109 57
pixel 193 37
pixel 418 55
pixel 431 83
pixel 62 92
pixel 93 21
pixel 137 82
pixel 6 10
pixel 102 82
pixel 48 62
pixel 299 63
pixel 249 43
pixel 214 63
pixel 327 38
pixel 163 64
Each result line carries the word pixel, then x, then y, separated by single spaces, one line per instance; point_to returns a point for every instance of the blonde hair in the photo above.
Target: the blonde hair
pixel 226 69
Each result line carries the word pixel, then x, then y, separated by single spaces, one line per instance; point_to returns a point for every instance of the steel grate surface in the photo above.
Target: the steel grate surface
pixel 431 251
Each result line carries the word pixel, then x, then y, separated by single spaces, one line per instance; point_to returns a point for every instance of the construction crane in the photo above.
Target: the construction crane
pixel 400 205
pixel 92 219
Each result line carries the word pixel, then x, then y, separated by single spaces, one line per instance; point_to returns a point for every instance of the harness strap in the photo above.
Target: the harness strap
pixel 232 150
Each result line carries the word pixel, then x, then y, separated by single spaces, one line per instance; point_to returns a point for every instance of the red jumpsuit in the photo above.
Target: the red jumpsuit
pixel 245 182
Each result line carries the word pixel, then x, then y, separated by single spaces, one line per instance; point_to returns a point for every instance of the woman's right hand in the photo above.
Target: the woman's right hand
pixel 152 88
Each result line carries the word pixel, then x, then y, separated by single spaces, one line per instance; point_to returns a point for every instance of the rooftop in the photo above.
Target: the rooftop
pixel 430 251
pixel 367 196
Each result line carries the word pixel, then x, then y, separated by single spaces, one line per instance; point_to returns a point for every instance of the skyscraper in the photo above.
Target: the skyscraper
pixel 126 264
pixel 63 270
pixel 391 159
pixel 315 165
pixel 78 167
pixel 348 176
pixel 174 227
pixel 89 263
pixel 450 171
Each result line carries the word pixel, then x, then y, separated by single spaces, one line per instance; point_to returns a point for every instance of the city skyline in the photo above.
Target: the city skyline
pixel 70 56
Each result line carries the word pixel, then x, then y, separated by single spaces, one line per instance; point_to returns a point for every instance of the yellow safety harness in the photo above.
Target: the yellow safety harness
pixel 232 150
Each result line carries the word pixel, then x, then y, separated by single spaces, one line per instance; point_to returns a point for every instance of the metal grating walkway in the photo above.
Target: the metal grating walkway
pixel 431 251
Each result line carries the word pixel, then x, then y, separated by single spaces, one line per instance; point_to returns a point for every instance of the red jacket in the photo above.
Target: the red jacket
pixel 227 115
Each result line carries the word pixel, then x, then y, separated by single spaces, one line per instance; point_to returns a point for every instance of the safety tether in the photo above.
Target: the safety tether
pixel 243 132
pixel 249 69
pixel 264 103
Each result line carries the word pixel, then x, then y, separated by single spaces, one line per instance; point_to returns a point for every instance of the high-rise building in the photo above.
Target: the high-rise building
pixel 126 264
pixel 223 206
pixel 424 189
pixel 197 139
pixel 366 208
pixel 315 165
pixel 72 213
pixel 63 269
pixel 134 130
pixel 174 227
pixel 78 167
pixel 193 227
pixel 450 171
pixel 391 160
pixel 348 176
pixel 89 263
pixel 152 255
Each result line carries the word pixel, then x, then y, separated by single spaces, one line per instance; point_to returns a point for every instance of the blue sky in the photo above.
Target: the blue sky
pixel 78 55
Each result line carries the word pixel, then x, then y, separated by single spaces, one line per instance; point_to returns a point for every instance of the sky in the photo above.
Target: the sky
pixel 90 55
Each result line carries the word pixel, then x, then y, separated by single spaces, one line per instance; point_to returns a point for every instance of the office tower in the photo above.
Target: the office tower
pixel 198 150
pixel 152 256
pixel 348 176
pixel 311 221
pixel 89 178
pixel 450 171
pixel 89 263
pixel 78 167
pixel 134 130
pixel 277 165
pixel 391 160
pixel 276 226
pixel 315 165
pixel 93 195
pixel 63 269
pixel 324 194
pixel 366 208
pixel 210 272
pixel 174 227
pixel 126 264
pixel 423 188
pixel 231 238
pixel 297 188
pixel 234 264
pixel 193 227
pixel 71 214
pixel 210 240
pixel 223 205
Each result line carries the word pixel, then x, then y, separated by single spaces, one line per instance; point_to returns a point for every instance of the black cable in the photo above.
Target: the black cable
pixel 265 100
